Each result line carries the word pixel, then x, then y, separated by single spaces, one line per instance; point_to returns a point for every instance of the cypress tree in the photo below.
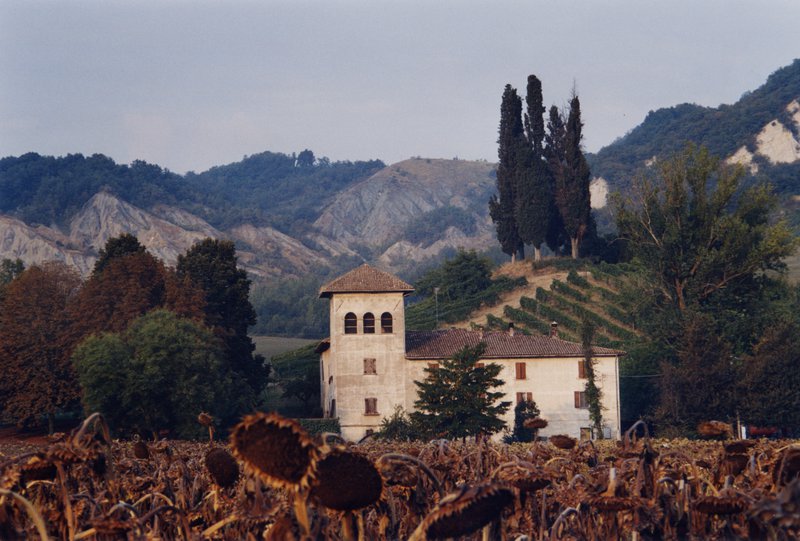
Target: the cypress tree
pixel 535 194
pixel 502 207
pixel 572 185
pixel 555 156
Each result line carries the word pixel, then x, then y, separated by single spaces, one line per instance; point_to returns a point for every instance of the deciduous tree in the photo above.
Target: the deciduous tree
pixel 157 375
pixel 35 345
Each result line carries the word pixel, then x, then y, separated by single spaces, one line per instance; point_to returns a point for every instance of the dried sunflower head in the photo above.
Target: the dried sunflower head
pixel 739 446
pixel 721 505
pixel 205 419
pixel 563 442
pixel 524 476
pixel 534 423
pixel 397 472
pixel 222 467
pixel 717 430
pixel 277 449
pixel 346 481
pixel 38 468
pixel 465 511
pixel 140 450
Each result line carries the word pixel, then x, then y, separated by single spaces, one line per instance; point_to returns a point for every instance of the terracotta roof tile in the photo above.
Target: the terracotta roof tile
pixel 365 279
pixel 444 344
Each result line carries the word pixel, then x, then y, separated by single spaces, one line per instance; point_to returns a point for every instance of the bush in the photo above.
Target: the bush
pixel 320 426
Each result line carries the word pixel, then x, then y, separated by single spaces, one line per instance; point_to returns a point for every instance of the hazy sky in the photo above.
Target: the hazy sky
pixel 192 84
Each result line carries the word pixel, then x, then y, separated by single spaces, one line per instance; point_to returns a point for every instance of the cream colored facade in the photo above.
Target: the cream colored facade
pixel 361 399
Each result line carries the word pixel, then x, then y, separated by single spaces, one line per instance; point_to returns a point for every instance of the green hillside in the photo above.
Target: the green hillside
pixel 593 294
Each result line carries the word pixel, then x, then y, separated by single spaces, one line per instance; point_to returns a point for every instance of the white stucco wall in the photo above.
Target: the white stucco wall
pixel 552 382
pixel 345 362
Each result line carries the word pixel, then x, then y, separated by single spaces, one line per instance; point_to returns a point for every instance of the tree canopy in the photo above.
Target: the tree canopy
pixel 212 265
pixel 35 343
pixel 159 374
pixel 456 398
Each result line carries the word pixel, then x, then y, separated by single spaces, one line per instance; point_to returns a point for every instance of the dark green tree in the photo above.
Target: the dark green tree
pixel 10 269
pixel 555 155
pixel 397 427
pixel 535 185
pixel 594 397
pixel 524 410
pixel 456 398
pixel 511 143
pixel 572 181
pixel 212 265
pixel 158 375
pixel 125 244
pixel 465 275
pixel 697 233
pixel 770 383
pixel 305 159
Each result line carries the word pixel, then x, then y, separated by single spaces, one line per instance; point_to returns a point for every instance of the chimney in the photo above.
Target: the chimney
pixel 510 329
pixel 554 329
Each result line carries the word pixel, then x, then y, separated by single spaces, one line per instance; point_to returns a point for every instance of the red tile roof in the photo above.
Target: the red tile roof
pixel 444 344
pixel 365 279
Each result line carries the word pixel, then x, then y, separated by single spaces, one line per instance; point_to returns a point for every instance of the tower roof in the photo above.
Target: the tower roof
pixel 365 279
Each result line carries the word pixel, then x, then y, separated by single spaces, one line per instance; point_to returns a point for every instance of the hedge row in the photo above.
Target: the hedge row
pixel 576 279
pixel 564 289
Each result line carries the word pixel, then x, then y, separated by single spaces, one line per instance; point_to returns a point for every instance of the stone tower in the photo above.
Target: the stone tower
pixel 362 369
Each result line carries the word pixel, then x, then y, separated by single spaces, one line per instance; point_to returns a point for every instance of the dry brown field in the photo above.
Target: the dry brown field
pixel 284 484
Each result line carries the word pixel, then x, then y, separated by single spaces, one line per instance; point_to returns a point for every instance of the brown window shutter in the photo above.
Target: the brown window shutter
pixel 582 369
pixel 529 397
pixel 577 399
pixel 521 371
pixel 519 397
pixel 479 365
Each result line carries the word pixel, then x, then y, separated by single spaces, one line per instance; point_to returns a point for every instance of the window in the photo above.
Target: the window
pixel 521 397
pixel 350 323
pixel 369 323
pixel 333 408
pixel 370 366
pixel 433 366
pixel 330 380
pixel 521 371
pixel 582 369
pixel 386 323
pixel 479 365
pixel 370 406
pixel 580 400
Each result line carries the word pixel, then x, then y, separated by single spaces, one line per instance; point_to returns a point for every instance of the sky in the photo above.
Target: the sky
pixel 192 84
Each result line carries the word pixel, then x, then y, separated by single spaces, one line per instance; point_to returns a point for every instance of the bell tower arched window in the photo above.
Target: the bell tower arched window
pixel 369 323
pixel 386 323
pixel 350 323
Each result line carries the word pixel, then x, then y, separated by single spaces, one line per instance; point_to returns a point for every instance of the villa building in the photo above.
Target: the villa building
pixel 370 362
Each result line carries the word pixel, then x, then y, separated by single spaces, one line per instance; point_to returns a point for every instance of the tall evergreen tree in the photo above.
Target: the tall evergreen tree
pixel 535 194
pixel 125 244
pixel 572 184
pixel 554 154
pixel 455 399
pixel 212 265
pixel 502 207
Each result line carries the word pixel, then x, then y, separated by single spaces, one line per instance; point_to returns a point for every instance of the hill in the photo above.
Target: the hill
pixel 289 218
pixel 761 130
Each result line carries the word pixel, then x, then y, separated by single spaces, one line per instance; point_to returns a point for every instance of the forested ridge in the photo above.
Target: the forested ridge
pixel 269 188
pixel 722 130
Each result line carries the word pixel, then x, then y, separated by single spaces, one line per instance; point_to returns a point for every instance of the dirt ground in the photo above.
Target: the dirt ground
pixel 539 278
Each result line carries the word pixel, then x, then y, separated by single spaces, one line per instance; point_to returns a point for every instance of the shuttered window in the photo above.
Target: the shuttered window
pixel 582 369
pixel 580 400
pixel 524 396
pixel 521 371
pixel 370 406
pixel 370 366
